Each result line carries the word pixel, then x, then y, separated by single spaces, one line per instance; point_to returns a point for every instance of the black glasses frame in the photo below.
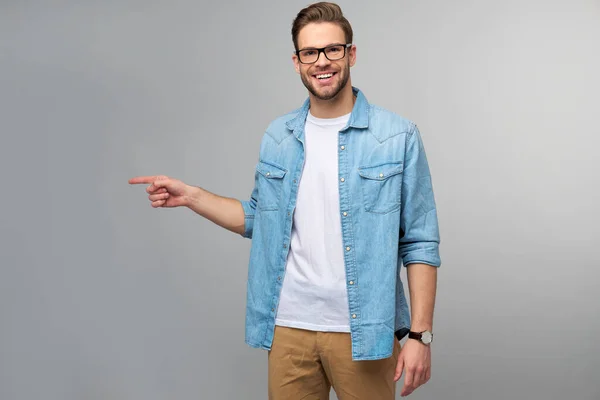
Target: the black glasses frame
pixel 322 50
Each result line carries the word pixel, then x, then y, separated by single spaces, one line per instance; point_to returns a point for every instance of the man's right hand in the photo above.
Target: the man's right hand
pixel 164 191
pixel 168 192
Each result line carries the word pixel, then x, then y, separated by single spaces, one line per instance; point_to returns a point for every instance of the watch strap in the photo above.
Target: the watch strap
pixel 427 335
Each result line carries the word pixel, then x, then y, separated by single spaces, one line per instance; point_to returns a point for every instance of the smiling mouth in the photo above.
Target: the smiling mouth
pixel 324 77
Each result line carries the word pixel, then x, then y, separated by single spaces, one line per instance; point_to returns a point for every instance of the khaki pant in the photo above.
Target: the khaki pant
pixel 306 364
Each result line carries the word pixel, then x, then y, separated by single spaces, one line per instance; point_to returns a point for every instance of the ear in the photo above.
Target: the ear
pixel 352 55
pixel 296 63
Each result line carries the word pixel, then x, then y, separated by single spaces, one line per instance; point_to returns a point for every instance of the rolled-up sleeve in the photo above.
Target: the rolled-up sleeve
pixel 249 207
pixel 419 236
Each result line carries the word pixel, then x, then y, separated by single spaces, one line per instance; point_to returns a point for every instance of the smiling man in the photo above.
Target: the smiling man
pixel 342 199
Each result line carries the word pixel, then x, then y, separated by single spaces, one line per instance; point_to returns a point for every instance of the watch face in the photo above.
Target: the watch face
pixel 427 337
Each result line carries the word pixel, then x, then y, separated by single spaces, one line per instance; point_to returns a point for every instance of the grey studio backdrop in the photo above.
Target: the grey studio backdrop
pixel 103 297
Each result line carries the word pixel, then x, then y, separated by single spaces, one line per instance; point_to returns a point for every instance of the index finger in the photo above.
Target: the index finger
pixel 142 179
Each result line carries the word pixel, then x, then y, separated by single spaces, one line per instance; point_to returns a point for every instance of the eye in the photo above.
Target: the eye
pixel 308 53
pixel 334 49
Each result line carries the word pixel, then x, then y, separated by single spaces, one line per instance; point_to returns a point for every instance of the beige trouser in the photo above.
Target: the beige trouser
pixel 305 364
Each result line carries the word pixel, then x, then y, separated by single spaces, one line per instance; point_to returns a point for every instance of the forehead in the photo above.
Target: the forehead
pixel 320 34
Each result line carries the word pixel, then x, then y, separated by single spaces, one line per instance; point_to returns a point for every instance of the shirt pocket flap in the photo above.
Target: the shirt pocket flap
pixel 269 170
pixel 381 171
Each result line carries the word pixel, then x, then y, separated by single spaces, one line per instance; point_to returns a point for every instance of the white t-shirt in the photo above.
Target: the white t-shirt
pixel 313 295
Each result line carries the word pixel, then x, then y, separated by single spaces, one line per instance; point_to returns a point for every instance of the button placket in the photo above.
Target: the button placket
pixel 348 246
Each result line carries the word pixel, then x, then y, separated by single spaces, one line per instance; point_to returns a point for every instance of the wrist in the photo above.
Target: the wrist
pixel 193 197
pixel 425 337
pixel 420 327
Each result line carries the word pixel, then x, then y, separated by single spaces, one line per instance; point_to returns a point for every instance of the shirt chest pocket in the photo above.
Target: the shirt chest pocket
pixel 381 186
pixel 270 185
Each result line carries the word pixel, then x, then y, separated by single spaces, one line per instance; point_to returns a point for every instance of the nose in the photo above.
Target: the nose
pixel 322 60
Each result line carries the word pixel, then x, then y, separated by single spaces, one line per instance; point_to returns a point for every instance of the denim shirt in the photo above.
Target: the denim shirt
pixel 388 216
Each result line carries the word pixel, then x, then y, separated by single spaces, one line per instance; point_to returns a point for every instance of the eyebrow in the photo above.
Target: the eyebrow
pixel 318 48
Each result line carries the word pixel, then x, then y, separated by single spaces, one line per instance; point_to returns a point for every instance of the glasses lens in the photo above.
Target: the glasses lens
pixel 334 52
pixel 308 56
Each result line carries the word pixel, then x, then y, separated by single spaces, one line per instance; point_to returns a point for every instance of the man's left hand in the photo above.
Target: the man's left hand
pixel 415 359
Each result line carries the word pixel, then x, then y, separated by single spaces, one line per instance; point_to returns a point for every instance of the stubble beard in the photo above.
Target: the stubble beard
pixel 344 75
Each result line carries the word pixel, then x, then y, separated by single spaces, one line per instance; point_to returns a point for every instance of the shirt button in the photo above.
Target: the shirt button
pixel 289 214
pixel 381 175
pixel 353 315
pixel 295 181
pixel 278 278
pixel 272 309
pixel 351 282
pixel 345 214
pixel 348 248
pixel 343 147
pixel 268 173
pixel 343 180
pixel 285 246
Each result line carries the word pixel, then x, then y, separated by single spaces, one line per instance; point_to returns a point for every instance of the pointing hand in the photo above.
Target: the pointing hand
pixel 164 191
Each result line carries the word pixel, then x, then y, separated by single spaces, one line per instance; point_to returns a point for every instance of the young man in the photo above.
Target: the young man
pixel 342 199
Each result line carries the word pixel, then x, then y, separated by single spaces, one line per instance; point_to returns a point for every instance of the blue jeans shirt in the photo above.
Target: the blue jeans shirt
pixel 388 215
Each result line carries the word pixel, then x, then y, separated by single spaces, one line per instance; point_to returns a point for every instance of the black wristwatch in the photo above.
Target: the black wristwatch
pixel 425 337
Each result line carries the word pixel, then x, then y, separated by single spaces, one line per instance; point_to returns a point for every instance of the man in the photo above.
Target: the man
pixel 342 199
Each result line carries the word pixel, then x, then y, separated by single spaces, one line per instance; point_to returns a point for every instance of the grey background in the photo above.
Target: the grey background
pixel 103 297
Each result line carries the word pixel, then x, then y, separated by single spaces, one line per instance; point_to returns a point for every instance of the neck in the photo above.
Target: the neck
pixel 341 104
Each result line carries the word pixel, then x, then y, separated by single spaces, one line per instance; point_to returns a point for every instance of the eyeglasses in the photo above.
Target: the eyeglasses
pixel 333 52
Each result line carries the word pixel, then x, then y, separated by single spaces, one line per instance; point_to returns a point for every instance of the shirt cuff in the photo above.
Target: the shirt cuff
pixel 248 219
pixel 430 256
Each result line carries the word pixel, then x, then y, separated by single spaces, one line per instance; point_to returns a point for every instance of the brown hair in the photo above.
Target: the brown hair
pixel 321 12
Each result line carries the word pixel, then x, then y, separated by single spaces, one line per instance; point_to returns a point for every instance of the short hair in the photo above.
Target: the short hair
pixel 321 12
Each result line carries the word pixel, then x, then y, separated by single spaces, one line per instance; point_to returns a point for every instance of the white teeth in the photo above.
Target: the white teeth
pixel 324 76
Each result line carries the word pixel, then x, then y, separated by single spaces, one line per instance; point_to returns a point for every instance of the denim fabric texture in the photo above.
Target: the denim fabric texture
pixel 388 214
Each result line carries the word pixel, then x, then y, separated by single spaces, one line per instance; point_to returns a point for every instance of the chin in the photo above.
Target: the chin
pixel 328 93
pixel 327 96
